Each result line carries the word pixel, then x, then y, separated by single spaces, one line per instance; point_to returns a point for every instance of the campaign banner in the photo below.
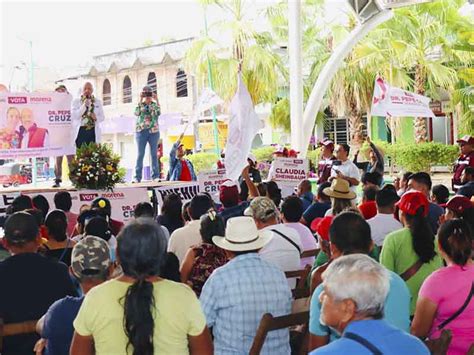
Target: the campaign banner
pixel 210 181
pixel 122 200
pixel 186 190
pixel 35 125
pixel 289 171
pixel 389 101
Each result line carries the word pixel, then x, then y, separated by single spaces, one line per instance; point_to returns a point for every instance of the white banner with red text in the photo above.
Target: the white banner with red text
pixel 35 125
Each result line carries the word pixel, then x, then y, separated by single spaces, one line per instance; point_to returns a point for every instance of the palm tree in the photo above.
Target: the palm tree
pixel 240 46
pixel 421 40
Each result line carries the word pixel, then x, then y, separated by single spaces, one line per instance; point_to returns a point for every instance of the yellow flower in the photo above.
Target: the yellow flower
pixel 109 168
pixel 86 168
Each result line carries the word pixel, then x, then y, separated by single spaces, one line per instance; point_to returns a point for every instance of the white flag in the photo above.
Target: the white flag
pixel 207 100
pixel 243 126
pixel 396 102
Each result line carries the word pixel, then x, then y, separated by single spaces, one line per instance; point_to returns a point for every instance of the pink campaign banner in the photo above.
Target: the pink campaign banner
pixel 35 125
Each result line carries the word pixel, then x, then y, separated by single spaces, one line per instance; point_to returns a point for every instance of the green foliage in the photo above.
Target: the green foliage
pixel 203 161
pixel 96 167
pixel 418 157
pixel 264 153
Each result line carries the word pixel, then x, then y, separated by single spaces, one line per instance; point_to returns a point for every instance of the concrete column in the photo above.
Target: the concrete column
pixel 296 75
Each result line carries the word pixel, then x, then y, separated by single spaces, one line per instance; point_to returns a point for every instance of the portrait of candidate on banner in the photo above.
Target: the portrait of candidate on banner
pixel 35 125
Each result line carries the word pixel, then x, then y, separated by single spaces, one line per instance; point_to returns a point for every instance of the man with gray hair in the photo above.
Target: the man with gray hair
pixel 90 265
pixel 356 310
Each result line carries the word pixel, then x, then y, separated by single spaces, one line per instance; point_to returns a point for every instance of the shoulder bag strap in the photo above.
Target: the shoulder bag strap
pixel 288 239
pixel 460 310
pixel 412 270
pixel 362 341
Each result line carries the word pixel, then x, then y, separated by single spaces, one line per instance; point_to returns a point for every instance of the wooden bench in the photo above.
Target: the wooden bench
pixel 310 253
pixel 269 323
pixel 301 276
pixel 6 330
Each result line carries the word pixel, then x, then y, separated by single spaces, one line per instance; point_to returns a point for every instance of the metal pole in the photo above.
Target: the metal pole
pixel 296 74
pixel 34 170
pixel 211 84
pixel 329 70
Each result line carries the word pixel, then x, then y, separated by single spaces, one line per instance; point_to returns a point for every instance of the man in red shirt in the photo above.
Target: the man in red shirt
pixel 465 159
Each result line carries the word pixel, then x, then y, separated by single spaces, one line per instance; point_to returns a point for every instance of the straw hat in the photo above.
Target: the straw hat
pixel 340 189
pixel 241 234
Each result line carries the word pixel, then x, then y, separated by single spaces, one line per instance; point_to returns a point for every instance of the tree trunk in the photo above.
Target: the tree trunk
pixel 421 131
pixel 356 127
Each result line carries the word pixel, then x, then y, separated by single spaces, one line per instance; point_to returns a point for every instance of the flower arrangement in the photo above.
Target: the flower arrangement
pixel 96 167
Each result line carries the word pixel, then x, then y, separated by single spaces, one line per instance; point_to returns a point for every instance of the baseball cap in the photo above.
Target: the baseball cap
pixel 467 139
pixel 90 257
pixel 321 226
pixel 326 142
pixel 21 228
pixel 229 192
pixel 263 208
pixel 411 201
pixel 458 204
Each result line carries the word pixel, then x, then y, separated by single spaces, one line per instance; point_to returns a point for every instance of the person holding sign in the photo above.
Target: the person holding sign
pixel 147 112
pixel 181 169
pixel 87 113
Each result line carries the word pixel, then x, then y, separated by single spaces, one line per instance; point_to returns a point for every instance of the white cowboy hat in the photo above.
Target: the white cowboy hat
pixel 340 189
pixel 241 234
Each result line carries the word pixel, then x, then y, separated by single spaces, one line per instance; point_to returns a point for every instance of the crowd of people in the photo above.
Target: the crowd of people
pixel 389 270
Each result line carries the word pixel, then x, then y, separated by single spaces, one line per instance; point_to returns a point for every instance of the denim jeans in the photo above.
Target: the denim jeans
pixel 143 137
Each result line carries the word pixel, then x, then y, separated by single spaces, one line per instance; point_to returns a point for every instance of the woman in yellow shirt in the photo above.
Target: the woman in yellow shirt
pixel 140 313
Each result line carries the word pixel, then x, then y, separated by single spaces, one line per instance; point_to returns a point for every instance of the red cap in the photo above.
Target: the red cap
pixel 466 140
pixel 411 201
pixel 326 142
pixel 321 226
pixel 458 204
pixel 229 193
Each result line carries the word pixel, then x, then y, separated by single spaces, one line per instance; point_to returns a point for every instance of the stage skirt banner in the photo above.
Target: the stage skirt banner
pixel 6 200
pixel 186 190
pixel 122 200
pixel 210 181
pixel 389 101
pixel 35 125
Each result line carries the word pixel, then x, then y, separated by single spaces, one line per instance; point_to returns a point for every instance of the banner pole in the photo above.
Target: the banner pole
pixel 211 84
pixel 34 170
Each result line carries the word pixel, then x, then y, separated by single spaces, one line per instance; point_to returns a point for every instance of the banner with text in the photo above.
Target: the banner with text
pixel 123 200
pixel 6 200
pixel 35 125
pixel 389 101
pixel 210 181
pixel 289 171
pixel 186 191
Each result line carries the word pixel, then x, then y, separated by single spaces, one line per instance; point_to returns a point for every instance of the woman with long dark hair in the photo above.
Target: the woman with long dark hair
pixel 140 313
pixel 59 246
pixel 201 260
pixel 445 291
pixel 170 216
pixel 411 252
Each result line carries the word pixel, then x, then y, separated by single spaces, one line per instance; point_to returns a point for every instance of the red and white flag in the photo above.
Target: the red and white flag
pixel 396 102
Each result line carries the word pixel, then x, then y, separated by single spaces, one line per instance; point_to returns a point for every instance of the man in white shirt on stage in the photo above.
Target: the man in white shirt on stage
pixel 87 113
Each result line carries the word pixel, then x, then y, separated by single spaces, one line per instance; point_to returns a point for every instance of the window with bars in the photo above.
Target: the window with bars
pixel 106 93
pixel 127 90
pixel 151 81
pixel 337 129
pixel 181 84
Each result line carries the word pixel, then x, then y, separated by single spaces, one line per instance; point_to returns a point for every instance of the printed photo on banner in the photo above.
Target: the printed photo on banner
pixel 186 191
pixel 35 125
pixel 210 181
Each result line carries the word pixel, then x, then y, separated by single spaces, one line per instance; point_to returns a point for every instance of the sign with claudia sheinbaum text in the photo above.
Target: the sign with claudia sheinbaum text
pixel 186 190
pixel 35 125
pixel 289 170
